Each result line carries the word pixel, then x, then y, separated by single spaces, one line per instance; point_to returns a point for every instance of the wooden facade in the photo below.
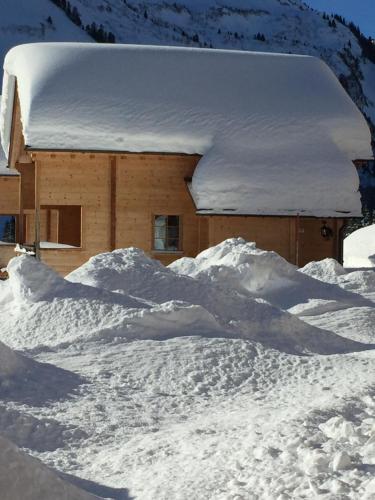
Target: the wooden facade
pixel 98 202
pixel 85 203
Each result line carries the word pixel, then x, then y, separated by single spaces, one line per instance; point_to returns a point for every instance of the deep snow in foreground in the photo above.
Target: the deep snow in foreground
pixel 232 375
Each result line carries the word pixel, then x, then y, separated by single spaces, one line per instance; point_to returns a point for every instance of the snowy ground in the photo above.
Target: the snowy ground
pixel 228 376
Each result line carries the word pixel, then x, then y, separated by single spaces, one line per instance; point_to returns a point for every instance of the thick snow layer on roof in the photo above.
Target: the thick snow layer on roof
pixel 359 248
pixel 277 132
pixel 4 170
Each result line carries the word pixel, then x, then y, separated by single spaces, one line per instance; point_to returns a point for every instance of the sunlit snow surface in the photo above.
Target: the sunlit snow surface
pixel 359 248
pixel 192 381
pixel 277 132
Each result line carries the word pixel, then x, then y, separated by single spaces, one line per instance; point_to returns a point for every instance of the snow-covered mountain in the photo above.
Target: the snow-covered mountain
pixel 261 25
pixel 28 21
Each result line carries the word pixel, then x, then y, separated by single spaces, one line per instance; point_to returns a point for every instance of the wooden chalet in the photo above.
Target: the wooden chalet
pixel 72 200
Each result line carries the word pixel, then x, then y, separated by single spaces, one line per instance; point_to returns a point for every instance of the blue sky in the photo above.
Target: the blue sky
pixel 361 12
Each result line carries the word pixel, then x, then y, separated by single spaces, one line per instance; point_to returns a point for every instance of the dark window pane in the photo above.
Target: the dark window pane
pixel 8 228
pixel 173 232
pixel 172 245
pixel 173 220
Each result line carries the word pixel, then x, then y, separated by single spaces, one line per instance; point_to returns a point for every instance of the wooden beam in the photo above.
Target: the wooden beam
pixel 113 201
pixel 27 185
pixel 48 224
pixel 21 230
pixel 37 210
pixel 297 240
pixel 99 152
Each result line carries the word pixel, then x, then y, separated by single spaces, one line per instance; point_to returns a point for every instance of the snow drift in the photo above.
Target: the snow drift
pixel 26 478
pixel 239 313
pixel 361 282
pixel 241 266
pixel 178 395
pixel 125 294
pixel 24 380
pixel 228 106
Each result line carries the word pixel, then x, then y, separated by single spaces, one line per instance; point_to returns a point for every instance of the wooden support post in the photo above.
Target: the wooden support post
pixel 48 224
pixel 113 201
pixel 335 242
pixel 37 210
pixel 21 229
pixel 297 239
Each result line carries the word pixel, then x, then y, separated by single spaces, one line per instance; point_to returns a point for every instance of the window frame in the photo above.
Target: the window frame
pixel 180 233
pixel 81 230
pixel 16 229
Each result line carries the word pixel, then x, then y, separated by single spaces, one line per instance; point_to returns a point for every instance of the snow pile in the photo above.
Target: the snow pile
pixel 359 248
pixel 11 364
pixel 26 478
pixel 240 266
pixel 32 282
pixel 135 297
pixel 328 270
pixel 25 380
pixel 239 313
pixel 199 104
pixel 47 309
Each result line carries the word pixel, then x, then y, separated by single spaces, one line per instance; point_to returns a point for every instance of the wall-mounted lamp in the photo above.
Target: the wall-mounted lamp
pixel 326 231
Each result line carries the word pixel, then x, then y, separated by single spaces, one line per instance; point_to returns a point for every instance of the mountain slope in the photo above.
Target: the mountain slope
pixel 25 21
pixel 261 25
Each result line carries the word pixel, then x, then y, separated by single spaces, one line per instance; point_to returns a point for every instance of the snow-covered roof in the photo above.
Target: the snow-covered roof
pixel 4 170
pixel 277 132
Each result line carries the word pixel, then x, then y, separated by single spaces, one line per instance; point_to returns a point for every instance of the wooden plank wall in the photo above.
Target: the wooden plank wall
pixel 120 194
pixel 145 185
pixel 149 185
pixel 9 197
pixel 313 245
pixel 269 233
pixel 83 180
pixel 279 234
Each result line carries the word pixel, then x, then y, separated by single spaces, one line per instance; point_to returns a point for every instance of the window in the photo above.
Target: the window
pixel 7 228
pixel 167 233
pixel 60 226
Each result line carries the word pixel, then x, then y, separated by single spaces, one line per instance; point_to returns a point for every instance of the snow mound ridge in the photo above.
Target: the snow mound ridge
pixel 361 282
pixel 239 313
pixel 326 270
pixel 11 363
pixel 245 266
pixel 24 477
pixel 238 265
pixel 30 281
pixel 25 380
